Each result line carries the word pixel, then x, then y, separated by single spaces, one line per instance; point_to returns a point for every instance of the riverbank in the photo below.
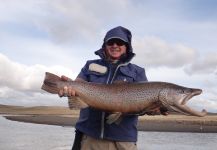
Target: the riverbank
pixel 62 116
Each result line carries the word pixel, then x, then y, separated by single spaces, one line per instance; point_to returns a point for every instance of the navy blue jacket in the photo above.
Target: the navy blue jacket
pixel 92 121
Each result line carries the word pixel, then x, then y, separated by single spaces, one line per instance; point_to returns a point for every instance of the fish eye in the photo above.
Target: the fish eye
pixel 181 91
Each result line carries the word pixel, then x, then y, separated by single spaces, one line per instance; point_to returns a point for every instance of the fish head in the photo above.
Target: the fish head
pixel 179 95
pixel 176 97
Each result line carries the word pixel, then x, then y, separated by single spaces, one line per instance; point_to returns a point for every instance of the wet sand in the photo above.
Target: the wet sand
pixel 63 116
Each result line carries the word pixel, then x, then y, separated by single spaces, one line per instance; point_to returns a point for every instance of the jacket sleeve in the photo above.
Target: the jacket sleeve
pixel 141 75
pixel 83 73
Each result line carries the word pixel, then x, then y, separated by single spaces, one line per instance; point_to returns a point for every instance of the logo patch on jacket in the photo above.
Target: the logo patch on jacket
pixel 97 68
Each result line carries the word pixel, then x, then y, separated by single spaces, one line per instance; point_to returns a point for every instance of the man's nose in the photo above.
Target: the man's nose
pixel 114 44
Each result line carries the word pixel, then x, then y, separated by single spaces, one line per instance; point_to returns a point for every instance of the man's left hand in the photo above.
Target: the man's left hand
pixel 158 111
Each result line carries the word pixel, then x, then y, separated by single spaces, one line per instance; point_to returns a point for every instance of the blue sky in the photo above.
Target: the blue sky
pixel 175 41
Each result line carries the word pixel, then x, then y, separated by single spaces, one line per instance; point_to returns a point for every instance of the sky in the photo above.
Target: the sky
pixel 175 41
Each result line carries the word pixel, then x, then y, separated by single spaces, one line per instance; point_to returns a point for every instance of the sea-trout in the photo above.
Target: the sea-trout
pixel 128 98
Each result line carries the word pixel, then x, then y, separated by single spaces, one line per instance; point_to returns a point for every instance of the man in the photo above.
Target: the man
pixel 113 66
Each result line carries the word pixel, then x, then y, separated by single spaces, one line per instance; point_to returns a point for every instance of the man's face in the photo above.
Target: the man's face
pixel 115 48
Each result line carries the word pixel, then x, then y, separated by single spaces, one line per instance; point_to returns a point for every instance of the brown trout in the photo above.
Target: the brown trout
pixel 128 98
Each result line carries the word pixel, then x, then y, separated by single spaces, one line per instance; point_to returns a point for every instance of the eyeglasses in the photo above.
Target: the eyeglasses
pixel 119 42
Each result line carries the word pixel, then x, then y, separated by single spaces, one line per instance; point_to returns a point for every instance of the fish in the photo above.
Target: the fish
pixel 127 98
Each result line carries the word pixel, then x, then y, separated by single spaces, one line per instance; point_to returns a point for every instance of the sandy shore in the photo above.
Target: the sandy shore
pixel 62 116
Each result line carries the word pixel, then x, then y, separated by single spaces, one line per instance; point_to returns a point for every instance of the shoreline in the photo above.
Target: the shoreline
pixel 143 124
pixel 63 116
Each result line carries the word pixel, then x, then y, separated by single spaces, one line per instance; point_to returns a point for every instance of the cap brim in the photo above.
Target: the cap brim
pixel 115 37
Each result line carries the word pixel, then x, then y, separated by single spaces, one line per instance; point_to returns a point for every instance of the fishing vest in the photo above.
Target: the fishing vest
pixel 92 122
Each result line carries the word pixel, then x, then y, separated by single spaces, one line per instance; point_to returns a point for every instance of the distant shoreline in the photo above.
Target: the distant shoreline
pixel 62 116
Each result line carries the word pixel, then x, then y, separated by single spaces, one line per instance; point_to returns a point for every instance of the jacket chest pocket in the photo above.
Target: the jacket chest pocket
pixel 126 75
pixel 96 77
pixel 124 78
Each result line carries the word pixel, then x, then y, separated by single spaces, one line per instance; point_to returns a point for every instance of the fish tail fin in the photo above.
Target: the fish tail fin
pixel 50 83
pixel 75 102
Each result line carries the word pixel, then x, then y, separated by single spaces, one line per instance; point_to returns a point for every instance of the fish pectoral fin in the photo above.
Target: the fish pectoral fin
pixel 75 102
pixel 114 118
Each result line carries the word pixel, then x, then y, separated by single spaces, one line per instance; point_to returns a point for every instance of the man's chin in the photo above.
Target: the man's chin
pixel 115 58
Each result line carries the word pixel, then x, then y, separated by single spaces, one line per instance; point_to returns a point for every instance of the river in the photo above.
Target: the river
pixel 26 136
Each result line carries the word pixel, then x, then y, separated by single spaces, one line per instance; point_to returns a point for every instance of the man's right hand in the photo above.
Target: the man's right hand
pixel 66 90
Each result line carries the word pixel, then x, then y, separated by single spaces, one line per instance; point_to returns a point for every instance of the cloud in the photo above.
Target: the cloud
pixel 61 20
pixel 205 64
pixel 155 52
pixel 21 77
pixel 68 20
pixel 65 21
pixel 21 82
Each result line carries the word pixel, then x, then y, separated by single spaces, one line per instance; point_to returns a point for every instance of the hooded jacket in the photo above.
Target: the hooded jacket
pixel 92 122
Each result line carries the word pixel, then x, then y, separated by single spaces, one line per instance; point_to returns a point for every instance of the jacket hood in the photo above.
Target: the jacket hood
pixel 123 34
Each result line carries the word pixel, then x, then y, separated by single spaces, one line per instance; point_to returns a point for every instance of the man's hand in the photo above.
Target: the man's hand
pixel 158 111
pixel 164 111
pixel 66 91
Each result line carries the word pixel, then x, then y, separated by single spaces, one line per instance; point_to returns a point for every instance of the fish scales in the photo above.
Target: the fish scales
pixel 122 97
pixel 111 98
pixel 115 97
pixel 128 97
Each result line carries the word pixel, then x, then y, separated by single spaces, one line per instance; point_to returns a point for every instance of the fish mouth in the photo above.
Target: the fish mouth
pixel 194 92
pixel 183 108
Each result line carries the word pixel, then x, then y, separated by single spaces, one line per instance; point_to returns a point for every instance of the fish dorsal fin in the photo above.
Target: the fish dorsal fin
pixel 75 102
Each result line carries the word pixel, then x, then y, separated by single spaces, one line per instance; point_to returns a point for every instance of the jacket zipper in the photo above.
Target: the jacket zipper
pixel 107 82
pixel 103 113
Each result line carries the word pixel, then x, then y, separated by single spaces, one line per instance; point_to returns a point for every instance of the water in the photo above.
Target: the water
pixel 177 141
pixel 26 136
